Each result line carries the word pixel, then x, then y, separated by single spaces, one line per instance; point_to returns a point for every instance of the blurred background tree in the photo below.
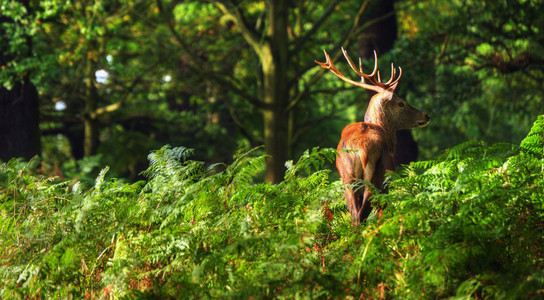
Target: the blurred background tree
pixel 116 79
pixel 477 67
pixel 19 113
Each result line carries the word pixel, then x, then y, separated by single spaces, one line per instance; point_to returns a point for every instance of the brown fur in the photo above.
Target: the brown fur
pixel 369 151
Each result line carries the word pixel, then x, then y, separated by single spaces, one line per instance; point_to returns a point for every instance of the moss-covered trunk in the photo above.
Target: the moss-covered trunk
pixel 275 90
pixel 90 123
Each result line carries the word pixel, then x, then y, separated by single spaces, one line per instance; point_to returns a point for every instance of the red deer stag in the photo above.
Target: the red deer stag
pixel 371 144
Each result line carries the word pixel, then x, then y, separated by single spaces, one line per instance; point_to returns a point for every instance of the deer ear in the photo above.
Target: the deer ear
pixel 387 95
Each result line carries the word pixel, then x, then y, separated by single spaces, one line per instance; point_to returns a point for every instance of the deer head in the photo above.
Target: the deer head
pixel 385 108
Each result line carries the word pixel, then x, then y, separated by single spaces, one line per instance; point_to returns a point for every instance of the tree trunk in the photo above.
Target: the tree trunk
pixel 19 114
pixel 90 123
pixel 381 37
pixel 19 122
pixel 275 90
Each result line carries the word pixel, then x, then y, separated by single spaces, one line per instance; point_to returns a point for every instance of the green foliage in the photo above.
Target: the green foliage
pixel 474 66
pixel 467 224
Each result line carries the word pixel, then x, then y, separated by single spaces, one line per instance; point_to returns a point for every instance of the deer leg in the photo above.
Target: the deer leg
pixel 351 200
pixel 366 205
pixel 383 164
pixel 350 170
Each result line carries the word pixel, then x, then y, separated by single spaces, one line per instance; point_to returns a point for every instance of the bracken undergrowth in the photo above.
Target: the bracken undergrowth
pixel 468 224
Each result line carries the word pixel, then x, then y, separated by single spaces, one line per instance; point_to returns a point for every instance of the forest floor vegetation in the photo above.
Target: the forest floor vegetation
pixel 467 224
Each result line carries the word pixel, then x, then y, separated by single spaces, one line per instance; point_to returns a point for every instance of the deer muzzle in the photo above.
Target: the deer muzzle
pixel 424 122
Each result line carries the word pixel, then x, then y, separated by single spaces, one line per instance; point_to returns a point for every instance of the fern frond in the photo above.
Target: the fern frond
pixel 534 142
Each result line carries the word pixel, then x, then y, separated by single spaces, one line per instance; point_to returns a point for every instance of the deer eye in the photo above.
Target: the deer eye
pixel 401 104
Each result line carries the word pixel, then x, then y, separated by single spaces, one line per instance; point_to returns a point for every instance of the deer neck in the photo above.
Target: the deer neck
pixel 376 114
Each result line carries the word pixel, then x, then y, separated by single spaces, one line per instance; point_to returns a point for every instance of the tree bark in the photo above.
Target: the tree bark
pixel 381 37
pixel 90 122
pixel 275 90
pixel 19 114
pixel 19 122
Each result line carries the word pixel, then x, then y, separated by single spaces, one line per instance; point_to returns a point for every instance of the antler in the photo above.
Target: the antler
pixel 376 83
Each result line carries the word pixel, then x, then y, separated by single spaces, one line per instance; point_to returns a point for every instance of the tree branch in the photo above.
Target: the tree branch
pixel 112 107
pixel 344 42
pixel 177 37
pixel 333 91
pixel 303 128
pixel 236 15
pixel 301 41
pixel 105 109
pixel 233 87
pixel 249 35
pixel 372 22
pixel 253 138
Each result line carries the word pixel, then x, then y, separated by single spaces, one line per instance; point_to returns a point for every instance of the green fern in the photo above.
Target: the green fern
pixel 534 141
pixel 466 224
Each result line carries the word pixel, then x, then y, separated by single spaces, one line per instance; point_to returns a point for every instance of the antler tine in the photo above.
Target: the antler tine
pixel 327 64
pixel 361 73
pixel 375 64
pixel 360 70
pixel 393 71
pixel 375 86
pixel 373 77
pixel 350 62
pixel 397 80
